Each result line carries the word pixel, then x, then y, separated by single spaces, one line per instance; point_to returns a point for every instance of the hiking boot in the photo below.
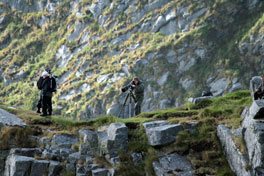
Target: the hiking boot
pixel 43 115
pixel 38 111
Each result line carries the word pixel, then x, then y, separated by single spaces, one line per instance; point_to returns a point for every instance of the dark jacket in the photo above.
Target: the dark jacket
pixel 138 90
pixel 39 82
pixel 46 87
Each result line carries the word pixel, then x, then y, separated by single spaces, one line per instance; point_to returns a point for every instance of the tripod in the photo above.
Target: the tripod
pixel 129 96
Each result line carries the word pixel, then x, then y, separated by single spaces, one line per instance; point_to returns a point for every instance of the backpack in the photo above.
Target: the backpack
pixel 39 83
pixel 53 84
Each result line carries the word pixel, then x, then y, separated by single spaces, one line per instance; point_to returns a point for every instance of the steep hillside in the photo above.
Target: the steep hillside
pixel 178 48
pixel 197 145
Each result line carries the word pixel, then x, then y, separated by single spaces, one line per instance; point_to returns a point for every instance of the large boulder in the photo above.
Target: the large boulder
pixel 18 165
pixel 63 141
pixel 237 160
pixel 89 142
pixel 253 133
pixel 39 167
pixel 173 164
pixel 7 119
pixel 113 139
pixel 160 133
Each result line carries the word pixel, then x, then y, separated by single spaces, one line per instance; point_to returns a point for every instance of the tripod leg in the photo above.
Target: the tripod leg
pixel 123 106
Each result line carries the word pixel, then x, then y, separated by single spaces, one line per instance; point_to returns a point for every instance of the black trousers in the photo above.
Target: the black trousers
pixel 46 104
pixel 39 103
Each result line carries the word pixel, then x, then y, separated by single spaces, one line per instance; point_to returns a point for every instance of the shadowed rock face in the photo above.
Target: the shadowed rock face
pixel 237 160
pixel 253 133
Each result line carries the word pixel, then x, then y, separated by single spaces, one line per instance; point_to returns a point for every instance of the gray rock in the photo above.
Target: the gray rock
pixel 244 112
pixel 18 165
pixel 174 164
pixel 171 15
pixel 238 162
pixel 114 109
pixel 8 119
pixel 97 8
pixel 155 4
pixel 219 86
pixel 70 167
pixel 201 53
pixel 39 167
pixel 164 104
pixel 187 84
pixel 186 64
pixel 63 141
pixel 159 133
pixel 29 152
pixel 158 24
pixel 171 57
pixel 199 99
pixel 100 172
pixel 196 15
pixel 54 168
pixel 137 158
pixel 79 27
pixel 170 28
pixel 163 79
pixel 253 133
pixel 23 6
pixel 114 139
pixel 255 82
pixel 181 24
pixel 63 56
pixel 90 142
pixel 3 155
pixel 44 142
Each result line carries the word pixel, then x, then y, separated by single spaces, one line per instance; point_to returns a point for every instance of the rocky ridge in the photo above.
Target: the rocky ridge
pixel 95 47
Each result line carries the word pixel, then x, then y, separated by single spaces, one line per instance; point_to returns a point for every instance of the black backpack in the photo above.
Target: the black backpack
pixel 40 82
pixel 53 84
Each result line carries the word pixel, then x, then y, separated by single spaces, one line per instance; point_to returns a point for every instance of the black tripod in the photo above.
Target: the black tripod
pixel 129 96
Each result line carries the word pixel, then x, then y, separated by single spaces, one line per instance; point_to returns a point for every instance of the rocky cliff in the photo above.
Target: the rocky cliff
pixel 178 48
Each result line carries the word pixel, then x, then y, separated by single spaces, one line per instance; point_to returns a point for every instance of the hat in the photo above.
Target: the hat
pixel 45 73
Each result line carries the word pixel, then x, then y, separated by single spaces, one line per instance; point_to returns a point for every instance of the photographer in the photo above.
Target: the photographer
pixel 138 88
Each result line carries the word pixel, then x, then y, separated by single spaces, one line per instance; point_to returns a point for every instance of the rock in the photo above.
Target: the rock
pixel 171 15
pixel 164 104
pixel 90 142
pixel 253 133
pixel 114 109
pixel 171 57
pixel 160 22
pixel 54 168
pixel 255 82
pixel 100 172
pixel 190 126
pixel 199 99
pixel 163 79
pixel 137 158
pixel 155 4
pixel 44 142
pixel 70 167
pixel 186 64
pixel 244 112
pixel 114 139
pixel 7 119
pixel 3 156
pixel 219 86
pixel 79 27
pixel 18 165
pixel 160 133
pixel 187 84
pixel 23 6
pixel 170 28
pixel 39 167
pixel 29 152
pixel 63 141
pixel 97 8
pixel 102 78
pixel 63 56
pixel 196 15
pixel 201 53
pixel 173 164
pixel 238 161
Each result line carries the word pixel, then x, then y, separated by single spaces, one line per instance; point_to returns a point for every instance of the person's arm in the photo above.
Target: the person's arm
pixel 126 87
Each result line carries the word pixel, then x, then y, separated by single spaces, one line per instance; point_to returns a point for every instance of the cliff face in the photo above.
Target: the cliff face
pixel 178 48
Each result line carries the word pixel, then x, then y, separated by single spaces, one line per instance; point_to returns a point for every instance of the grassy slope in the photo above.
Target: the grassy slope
pixel 32 48
pixel 202 148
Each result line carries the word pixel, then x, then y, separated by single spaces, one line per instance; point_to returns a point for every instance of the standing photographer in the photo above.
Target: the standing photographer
pixel 138 88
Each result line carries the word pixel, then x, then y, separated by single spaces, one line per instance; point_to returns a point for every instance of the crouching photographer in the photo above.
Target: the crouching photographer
pixel 138 89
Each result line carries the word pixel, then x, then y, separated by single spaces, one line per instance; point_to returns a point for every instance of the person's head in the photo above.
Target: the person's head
pixel 45 74
pixel 136 80
pixel 47 69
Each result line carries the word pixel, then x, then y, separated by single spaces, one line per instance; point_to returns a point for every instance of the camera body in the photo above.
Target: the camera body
pixel 130 87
